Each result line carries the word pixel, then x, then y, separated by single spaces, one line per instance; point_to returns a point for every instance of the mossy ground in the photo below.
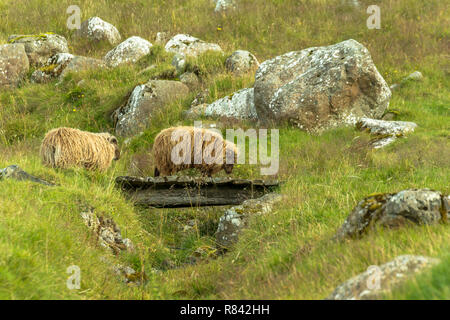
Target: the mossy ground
pixel 287 254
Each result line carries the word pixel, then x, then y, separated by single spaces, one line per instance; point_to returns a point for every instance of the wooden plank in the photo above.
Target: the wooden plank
pixel 173 191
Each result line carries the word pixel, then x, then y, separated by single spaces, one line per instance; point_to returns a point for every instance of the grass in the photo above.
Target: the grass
pixel 285 255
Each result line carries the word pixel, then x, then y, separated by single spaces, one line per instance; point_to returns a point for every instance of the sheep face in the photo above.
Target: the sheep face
pixel 228 168
pixel 113 140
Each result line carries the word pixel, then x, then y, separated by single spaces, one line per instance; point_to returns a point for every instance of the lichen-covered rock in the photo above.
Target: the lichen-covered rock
pixel 385 132
pixel 16 173
pixel 187 45
pixel 415 76
pixel 423 206
pixel 379 280
pixel 235 218
pixel 236 106
pixel 190 79
pixel 129 51
pixel 241 61
pixel 179 62
pixel 41 47
pixel 223 5
pixel 14 64
pixel 62 63
pixel 95 29
pixel 106 231
pixel 146 99
pixel 321 87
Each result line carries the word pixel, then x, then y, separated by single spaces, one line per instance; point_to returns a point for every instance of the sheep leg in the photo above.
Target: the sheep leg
pixel 157 173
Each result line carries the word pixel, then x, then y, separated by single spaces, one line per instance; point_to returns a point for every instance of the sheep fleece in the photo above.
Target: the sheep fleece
pixel 163 146
pixel 67 147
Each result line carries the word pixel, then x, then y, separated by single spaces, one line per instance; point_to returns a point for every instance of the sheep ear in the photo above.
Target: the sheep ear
pixel 113 140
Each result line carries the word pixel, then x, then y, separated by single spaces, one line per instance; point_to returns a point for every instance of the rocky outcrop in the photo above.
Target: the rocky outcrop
pixel 95 29
pixel 16 173
pixel 146 99
pixel 235 218
pixel 321 87
pixel 62 63
pixel 385 132
pixel 380 280
pixel 106 231
pixel 41 47
pixel 129 51
pixel 187 45
pixel 14 64
pixel 423 207
pixel 241 61
pixel 236 106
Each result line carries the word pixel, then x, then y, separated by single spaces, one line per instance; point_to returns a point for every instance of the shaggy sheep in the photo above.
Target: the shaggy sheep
pixel 67 147
pixel 198 148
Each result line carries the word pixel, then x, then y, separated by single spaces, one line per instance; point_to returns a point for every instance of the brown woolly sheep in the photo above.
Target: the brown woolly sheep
pixel 67 147
pixel 171 142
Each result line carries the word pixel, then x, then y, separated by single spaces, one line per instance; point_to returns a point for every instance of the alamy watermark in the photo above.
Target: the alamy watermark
pixel 374 20
pixel 74 20
pixel 205 148
pixel 74 280
pixel 374 280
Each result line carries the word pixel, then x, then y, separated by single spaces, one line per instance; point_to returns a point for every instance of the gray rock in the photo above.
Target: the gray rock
pixel 187 45
pixel 95 29
pixel 179 62
pixel 16 173
pixel 379 280
pixel 235 218
pixel 423 207
pixel 385 132
pixel 80 63
pixel 236 106
pixel 14 64
pixel 129 51
pixel 241 62
pixel 40 48
pixel 223 5
pixel 415 76
pixel 146 99
pixel 190 79
pixel 322 87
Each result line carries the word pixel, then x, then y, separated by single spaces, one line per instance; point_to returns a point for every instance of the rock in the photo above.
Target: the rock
pixel 62 63
pixel 14 64
pixel 223 5
pixel 190 79
pixel 40 48
pixel 129 51
pixel 179 62
pixel 95 29
pixel 235 218
pixel 241 62
pixel 385 132
pixel 415 76
pixel 423 207
pixel 129 275
pixel 187 45
pixel 145 99
pixel 107 232
pixel 379 280
pixel 321 87
pixel 15 172
pixel 162 38
pixel 236 106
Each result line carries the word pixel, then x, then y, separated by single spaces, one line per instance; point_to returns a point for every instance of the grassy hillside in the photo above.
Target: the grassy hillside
pixel 285 255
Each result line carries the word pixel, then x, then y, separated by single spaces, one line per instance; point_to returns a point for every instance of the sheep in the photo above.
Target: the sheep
pixel 68 147
pixel 206 150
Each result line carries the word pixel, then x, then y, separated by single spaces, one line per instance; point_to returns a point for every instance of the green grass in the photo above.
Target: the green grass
pixel 287 253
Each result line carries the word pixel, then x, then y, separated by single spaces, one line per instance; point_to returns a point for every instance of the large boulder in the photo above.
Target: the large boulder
pixel 14 64
pixel 187 45
pixel 223 5
pixel 62 63
pixel 241 61
pixel 385 132
pixel 95 29
pixel 423 207
pixel 41 47
pixel 321 87
pixel 236 218
pixel 144 100
pixel 236 106
pixel 379 280
pixel 129 51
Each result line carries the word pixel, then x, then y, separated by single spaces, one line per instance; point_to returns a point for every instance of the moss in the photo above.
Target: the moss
pixel 41 36
pixel 48 69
